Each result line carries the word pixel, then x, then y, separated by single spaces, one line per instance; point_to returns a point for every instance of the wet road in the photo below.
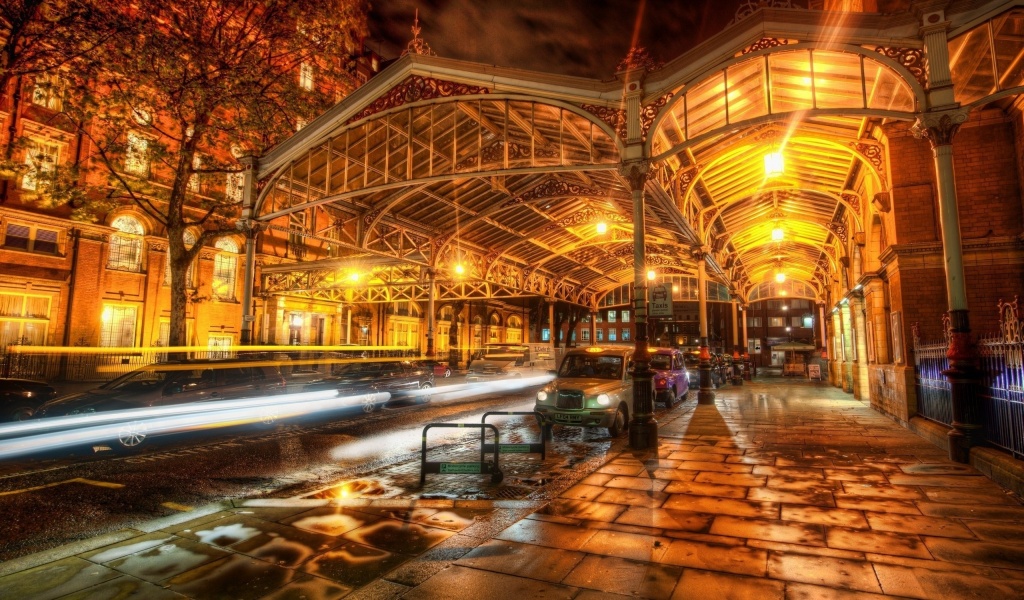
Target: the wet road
pixel 50 501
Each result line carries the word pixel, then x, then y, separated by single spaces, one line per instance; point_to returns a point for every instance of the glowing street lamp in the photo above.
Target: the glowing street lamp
pixel 602 228
pixel 353 277
pixel 780 277
pixel 651 275
pixel 778 234
pixel 459 269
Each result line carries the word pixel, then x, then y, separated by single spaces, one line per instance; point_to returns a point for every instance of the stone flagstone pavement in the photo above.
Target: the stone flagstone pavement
pixel 784 489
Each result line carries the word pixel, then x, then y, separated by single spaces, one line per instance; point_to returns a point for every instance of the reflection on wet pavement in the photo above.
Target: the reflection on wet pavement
pixel 354 564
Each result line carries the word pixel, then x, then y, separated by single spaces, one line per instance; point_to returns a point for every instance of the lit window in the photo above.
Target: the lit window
pixel 24 319
pixel 545 335
pixel 625 334
pixel 48 91
pixel 776 321
pixel 136 155
pixel 600 335
pixel 126 245
pixel 625 318
pixel 42 159
pixel 611 335
pixel 586 335
pixel 300 123
pixel 808 322
pixel 215 342
pixel 612 316
pixel 225 265
pixel 30 238
pixel 235 187
pixel 117 325
pixel 306 77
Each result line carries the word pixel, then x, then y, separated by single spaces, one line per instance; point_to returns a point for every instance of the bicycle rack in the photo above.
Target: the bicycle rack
pixel 463 468
pixel 528 448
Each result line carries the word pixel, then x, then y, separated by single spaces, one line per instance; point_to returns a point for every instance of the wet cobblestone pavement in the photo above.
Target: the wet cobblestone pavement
pixel 781 490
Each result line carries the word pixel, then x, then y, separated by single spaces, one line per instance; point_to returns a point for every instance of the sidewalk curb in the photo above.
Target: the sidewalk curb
pixel 37 559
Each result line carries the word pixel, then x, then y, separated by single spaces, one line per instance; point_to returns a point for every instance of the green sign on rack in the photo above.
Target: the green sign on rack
pixel 460 468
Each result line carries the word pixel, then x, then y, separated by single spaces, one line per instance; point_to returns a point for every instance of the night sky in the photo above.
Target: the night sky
pixel 571 37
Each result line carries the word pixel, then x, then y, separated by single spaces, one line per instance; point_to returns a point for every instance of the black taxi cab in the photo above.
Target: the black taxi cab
pixel 593 388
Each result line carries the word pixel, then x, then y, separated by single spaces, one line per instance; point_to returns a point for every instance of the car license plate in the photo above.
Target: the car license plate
pixel 563 418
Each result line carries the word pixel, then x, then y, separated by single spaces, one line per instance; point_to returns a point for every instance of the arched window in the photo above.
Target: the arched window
pixel 225 266
pixel 514 330
pixel 126 244
pixel 190 240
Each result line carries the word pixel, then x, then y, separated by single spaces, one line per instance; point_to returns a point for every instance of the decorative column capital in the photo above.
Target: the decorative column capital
pixel 249 161
pixel 635 172
pixel 939 127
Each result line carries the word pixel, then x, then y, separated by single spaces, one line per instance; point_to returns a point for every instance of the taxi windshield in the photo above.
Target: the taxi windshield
pixel 590 365
pixel 662 362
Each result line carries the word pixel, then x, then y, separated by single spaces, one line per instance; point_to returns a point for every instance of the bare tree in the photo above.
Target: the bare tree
pixel 192 78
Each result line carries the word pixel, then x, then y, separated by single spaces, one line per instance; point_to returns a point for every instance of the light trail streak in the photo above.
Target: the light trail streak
pixel 23 428
pixel 105 427
pixel 158 422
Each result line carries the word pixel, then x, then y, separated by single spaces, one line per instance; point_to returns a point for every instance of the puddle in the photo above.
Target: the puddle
pixel 359 488
pixel 225 535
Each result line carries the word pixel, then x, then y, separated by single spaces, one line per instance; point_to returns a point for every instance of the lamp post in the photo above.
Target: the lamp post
pixel 643 428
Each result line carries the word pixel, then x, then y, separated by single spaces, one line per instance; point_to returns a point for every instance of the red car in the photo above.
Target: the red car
pixel 671 383
pixel 440 369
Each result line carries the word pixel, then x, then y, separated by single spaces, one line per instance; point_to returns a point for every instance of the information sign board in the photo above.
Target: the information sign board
pixel 659 301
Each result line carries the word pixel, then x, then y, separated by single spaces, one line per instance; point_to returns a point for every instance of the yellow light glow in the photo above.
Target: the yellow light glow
pixel 675 288
pixel 778 234
pixel 651 275
pixel 354 276
pixel 780 277
pixel 108 314
pixel 459 269
pixel 602 228
pixel 783 292
pixel 774 164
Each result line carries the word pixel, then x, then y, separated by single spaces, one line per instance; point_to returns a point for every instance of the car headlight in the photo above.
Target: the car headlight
pixel 542 396
pixel 604 400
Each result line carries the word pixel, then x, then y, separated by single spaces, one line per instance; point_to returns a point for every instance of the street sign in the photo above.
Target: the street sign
pixel 659 300
pixel 248 318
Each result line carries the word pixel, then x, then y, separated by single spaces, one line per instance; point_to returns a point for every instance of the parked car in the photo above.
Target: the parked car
pixel 593 388
pixel 401 379
pixel 168 383
pixel 692 360
pixel 671 381
pixel 19 398
pixel 439 368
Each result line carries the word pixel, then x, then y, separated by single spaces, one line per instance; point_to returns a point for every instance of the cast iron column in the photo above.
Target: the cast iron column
pixel 706 394
pixel 737 379
pixel 746 342
pixel 967 431
pixel 249 227
pixel 430 314
pixel 643 428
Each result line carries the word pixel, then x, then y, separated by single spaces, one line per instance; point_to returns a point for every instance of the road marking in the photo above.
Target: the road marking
pixel 104 484
pixel 178 507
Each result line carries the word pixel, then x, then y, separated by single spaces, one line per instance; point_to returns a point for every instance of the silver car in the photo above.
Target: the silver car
pixel 593 389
